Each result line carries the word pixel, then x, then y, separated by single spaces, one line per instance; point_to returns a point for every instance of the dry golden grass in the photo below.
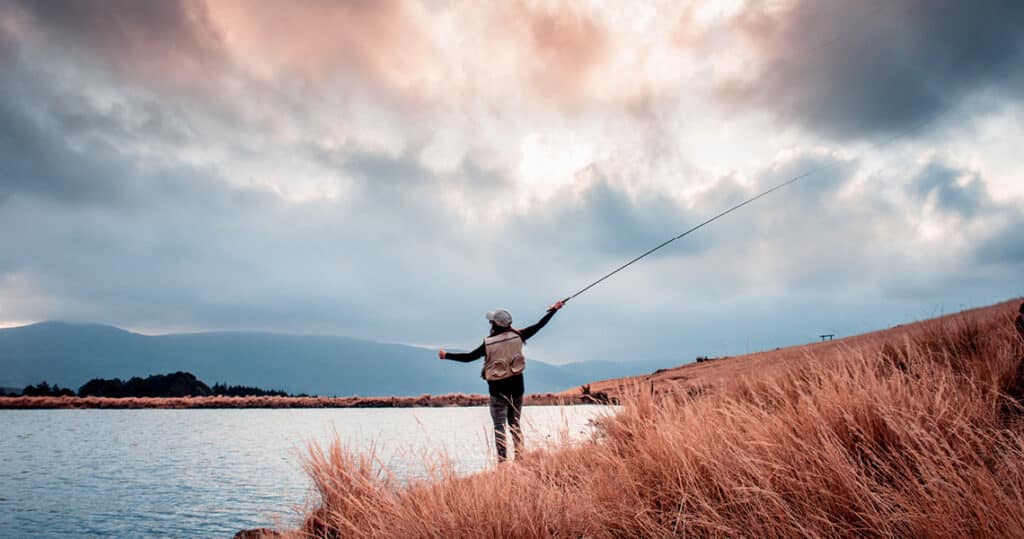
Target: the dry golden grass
pixel 914 432
pixel 450 399
pixel 700 377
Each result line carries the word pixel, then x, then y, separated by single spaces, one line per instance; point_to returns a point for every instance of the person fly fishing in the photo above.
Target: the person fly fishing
pixel 503 368
pixel 504 363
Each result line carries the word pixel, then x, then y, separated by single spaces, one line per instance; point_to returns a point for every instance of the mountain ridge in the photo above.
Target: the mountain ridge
pixel 71 353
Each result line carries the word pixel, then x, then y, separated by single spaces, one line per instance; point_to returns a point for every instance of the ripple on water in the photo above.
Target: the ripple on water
pixel 209 473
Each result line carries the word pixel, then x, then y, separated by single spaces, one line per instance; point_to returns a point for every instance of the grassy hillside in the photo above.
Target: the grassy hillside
pixel 696 377
pixel 912 432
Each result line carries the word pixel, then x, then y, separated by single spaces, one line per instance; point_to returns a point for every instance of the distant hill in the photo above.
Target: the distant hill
pixel 71 354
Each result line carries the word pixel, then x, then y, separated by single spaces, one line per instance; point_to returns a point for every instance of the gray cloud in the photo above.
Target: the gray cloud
pixel 62 147
pixel 858 69
pixel 35 159
pixel 954 190
pixel 1005 246
pixel 172 41
pixel 600 217
pixel 72 136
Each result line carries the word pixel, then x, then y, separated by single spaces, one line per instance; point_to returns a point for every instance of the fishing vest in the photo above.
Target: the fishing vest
pixel 503 356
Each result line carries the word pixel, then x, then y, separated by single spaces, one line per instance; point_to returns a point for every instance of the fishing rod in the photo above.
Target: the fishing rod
pixel 762 194
pixel 871 147
pixel 696 228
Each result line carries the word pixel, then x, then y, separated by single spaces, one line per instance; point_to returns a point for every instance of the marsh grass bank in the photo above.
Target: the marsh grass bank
pixel 422 401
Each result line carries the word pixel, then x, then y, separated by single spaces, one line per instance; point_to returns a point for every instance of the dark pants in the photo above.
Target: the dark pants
pixel 507 408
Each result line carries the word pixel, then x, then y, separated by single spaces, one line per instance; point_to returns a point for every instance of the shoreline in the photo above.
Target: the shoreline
pixel 219 402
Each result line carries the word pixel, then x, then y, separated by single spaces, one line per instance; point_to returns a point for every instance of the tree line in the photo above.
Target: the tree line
pixel 178 384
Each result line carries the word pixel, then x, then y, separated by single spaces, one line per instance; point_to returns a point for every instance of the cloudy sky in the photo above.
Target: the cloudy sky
pixel 391 169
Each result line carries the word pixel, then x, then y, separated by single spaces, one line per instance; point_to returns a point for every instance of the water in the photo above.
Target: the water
pixel 210 473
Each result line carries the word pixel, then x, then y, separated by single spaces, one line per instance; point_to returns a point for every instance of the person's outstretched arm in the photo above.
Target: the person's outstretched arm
pixel 466 357
pixel 528 332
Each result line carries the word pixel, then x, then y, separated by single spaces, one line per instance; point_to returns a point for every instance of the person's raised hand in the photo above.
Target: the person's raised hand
pixel 557 305
pixel 441 354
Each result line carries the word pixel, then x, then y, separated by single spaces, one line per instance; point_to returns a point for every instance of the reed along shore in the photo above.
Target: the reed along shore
pixel 448 400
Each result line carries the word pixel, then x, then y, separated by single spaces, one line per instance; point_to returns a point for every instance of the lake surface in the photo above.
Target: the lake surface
pixel 210 473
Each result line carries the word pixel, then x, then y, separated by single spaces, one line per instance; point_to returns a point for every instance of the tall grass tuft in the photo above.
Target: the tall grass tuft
pixel 910 433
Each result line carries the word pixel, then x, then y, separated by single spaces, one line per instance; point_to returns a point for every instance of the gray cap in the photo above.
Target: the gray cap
pixel 500 317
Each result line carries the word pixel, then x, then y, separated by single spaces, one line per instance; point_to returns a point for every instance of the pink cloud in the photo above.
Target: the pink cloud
pixel 559 45
pixel 319 40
